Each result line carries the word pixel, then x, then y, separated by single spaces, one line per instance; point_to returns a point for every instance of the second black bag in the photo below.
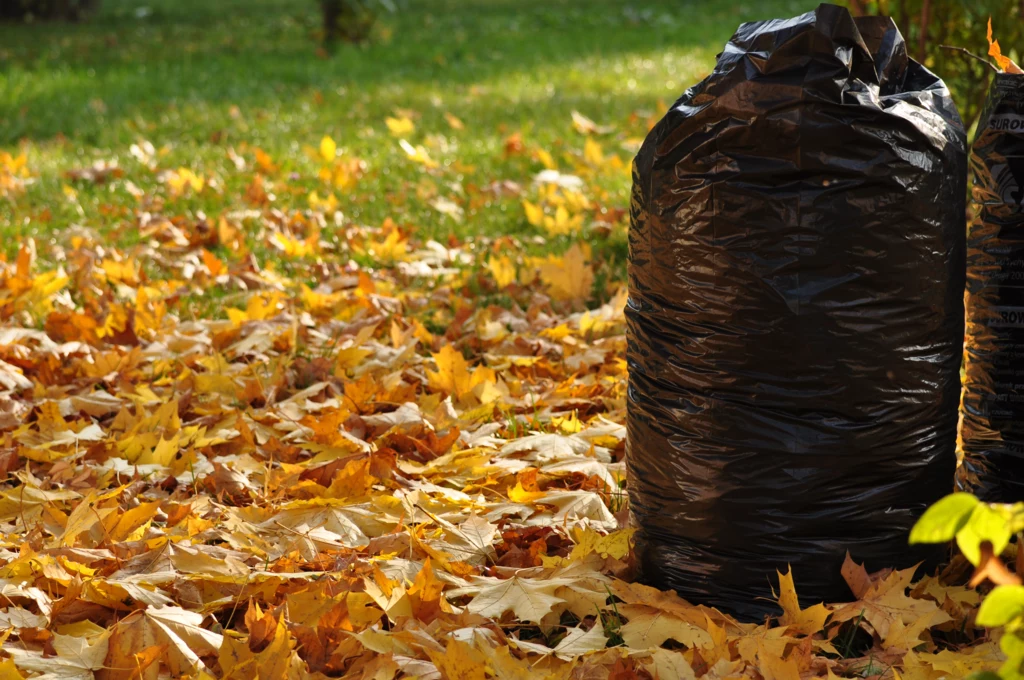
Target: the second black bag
pixel 993 426
pixel 795 314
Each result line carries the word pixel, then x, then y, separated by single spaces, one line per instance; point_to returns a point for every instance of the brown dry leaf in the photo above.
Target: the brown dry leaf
pixel 883 603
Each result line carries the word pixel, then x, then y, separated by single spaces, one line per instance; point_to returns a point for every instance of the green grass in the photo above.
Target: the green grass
pixel 197 78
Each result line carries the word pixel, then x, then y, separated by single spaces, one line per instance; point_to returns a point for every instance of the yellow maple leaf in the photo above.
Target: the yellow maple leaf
pixel 805 621
pixel 584 125
pixel 460 661
pixel 177 630
pixel 508 667
pixel 884 602
pixel 183 179
pixel 264 305
pixel 592 152
pixel 13 173
pixel 294 247
pixel 534 213
pixel 394 247
pixel 568 277
pixel 213 264
pixel 352 481
pixel 665 663
pixel 326 204
pixel 562 223
pixel 14 164
pixel 530 599
pixel 418 154
pixel 150 311
pixel 115 322
pixel 121 526
pixel 567 424
pixel 453 121
pixel 307 606
pixel 401 126
pixel 546 159
pixel 774 667
pixel 264 161
pixel 649 628
pixel 343 174
pixel 616 545
pixel 8 671
pixel 906 637
pixel 518 494
pixel 503 270
pixel 328 149
pixel 239 662
pixel 453 374
pixel 125 271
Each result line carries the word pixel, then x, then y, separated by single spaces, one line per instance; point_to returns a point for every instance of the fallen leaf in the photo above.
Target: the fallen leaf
pixel 528 599
pixel 803 621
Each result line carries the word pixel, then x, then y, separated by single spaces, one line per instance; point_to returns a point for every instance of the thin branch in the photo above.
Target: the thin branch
pixel 970 54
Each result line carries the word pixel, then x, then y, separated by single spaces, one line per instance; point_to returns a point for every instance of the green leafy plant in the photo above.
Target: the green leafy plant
pixel 983 531
pixel 931 26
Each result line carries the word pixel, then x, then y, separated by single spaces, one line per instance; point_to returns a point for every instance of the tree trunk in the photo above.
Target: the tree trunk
pixel 58 10
pixel 331 13
pixel 922 38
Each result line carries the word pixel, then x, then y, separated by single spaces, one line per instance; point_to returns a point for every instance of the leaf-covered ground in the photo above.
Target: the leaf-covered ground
pixel 309 379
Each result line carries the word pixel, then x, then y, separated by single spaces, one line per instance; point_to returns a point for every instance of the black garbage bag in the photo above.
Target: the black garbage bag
pixel 795 313
pixel 993 408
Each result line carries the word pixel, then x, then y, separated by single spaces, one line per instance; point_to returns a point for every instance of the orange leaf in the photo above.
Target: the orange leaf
pixel 1005 63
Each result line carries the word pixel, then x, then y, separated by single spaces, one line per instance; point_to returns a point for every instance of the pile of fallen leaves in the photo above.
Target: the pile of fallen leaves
pixel 411 469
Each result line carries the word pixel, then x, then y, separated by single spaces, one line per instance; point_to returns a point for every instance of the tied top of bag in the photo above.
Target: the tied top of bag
pixel 828 55
pixel 869 50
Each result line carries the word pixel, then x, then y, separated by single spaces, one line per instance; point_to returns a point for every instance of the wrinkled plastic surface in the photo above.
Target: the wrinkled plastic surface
pixel 795 313
pixel 993 425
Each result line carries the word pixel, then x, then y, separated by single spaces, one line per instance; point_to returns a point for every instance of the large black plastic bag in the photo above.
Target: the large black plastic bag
pixel 795 314
pixel 993 426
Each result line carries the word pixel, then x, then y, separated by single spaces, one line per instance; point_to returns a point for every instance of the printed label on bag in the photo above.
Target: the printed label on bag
pixel 1010 122
pixel 1008 317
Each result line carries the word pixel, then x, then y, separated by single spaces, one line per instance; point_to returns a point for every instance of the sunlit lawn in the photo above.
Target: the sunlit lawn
pixel 206 83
